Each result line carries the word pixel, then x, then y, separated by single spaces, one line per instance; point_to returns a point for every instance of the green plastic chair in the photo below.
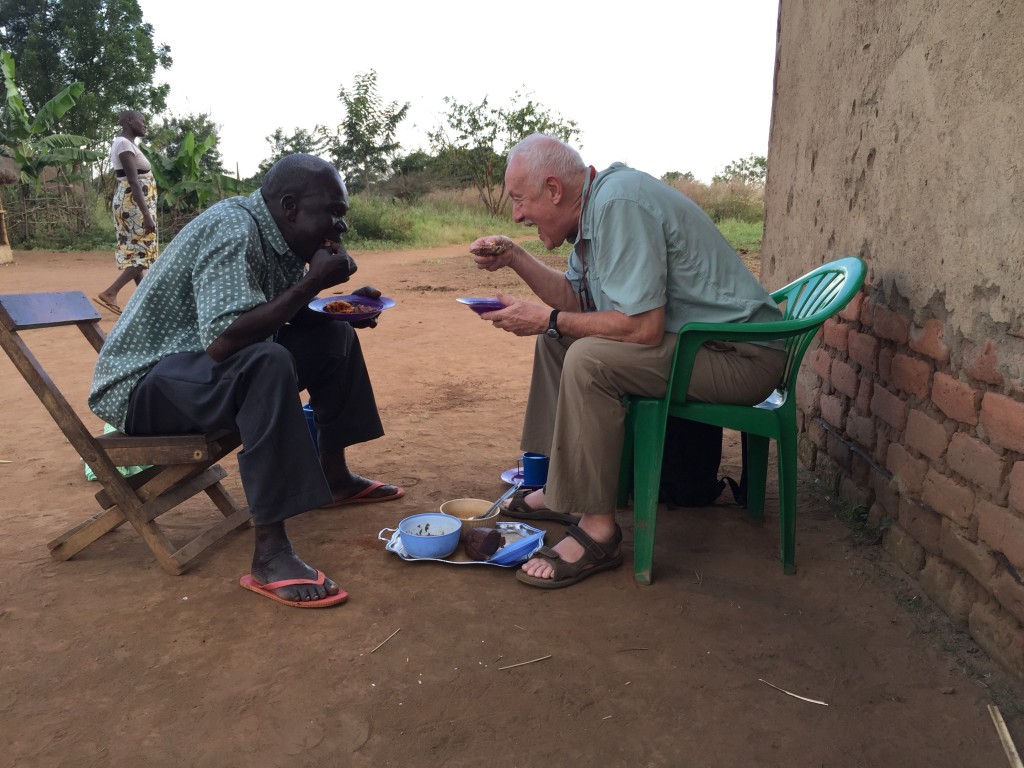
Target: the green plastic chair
pixel 806 303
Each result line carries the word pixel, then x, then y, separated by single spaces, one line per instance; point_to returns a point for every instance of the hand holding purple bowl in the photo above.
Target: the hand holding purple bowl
pixel 481 304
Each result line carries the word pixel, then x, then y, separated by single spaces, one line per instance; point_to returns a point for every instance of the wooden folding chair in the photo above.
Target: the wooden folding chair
pixel 183 465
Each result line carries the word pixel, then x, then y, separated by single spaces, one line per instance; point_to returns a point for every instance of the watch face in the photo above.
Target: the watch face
pixel 552 333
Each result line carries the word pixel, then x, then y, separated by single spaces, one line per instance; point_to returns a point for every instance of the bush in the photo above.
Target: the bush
pixel 724 200
pixel 380 219
pixel 457 201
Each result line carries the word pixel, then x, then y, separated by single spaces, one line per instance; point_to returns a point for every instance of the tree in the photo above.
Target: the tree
pixel 35 146
pixel 749 170
pixel 186 185
pixel 413 176
pixel 674 176
pixel 32 142
pixel 167 136
pixel 364 155
pixel 307 142
pixel 103 44
pixel 478 137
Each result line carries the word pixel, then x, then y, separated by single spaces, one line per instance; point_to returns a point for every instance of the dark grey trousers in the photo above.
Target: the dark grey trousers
pixel 256 391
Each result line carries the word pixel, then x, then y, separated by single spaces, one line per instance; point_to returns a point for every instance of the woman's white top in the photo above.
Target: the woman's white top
pixel 121 144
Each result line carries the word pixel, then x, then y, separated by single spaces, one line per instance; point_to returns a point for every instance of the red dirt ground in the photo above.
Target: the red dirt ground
pixel 108 661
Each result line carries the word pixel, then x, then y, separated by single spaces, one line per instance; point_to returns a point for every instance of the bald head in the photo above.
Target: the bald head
pixel 297 174
pixel 126 116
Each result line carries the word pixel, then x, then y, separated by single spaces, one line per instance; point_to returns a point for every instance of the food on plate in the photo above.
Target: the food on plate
pixel 482 543
pixel 341 307
pixel 489 248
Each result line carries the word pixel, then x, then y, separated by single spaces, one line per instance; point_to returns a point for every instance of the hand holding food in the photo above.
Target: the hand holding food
pixel 489 246
pixel 331 268
pixel 491 253
pixel 368 291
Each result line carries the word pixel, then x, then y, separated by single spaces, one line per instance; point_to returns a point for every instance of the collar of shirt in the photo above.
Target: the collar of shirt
pixel 272 238
pixel 590 186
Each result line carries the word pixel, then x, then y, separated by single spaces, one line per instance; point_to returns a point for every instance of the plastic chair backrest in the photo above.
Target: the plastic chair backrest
pixel 813 299
pixel 806 304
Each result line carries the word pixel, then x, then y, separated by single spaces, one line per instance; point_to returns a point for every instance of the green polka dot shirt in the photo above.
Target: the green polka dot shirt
pixel 228 260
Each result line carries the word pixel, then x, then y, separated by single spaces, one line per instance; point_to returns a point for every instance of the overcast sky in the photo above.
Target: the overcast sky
pixel 662 86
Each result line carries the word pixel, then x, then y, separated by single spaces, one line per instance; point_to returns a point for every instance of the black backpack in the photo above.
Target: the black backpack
pixel 689 468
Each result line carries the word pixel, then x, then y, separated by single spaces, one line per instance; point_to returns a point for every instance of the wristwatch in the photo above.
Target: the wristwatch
pixel 552 331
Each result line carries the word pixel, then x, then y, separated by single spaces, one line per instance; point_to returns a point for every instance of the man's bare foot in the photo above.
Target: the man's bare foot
pixel 361 489
pixel 275 560
pixel 601 528
pixel 533 500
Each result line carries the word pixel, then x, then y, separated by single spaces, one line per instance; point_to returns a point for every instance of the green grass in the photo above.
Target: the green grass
pixel 386 224
pixel 743 236
pixel 452 217
pixel 379 224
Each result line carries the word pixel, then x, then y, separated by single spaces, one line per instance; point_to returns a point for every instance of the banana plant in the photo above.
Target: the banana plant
pixel 30 141
pixel 185 187
pixel 180 178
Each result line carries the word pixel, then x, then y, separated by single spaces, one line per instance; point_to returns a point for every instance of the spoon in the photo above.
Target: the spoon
pixel 497 504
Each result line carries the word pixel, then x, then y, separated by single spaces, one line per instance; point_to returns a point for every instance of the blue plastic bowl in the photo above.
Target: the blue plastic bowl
pixel 430 534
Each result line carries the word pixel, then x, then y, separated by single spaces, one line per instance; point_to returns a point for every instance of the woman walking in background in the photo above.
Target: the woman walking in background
pixel 134 208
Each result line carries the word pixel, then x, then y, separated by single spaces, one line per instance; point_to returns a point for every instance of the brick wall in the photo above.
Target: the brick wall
pixel 933 443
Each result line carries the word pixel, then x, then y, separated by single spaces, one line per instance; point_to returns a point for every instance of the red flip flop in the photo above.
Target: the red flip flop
pixel 267 590
pixel 363 497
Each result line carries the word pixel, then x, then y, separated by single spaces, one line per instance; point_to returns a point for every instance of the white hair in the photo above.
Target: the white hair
pixel 542 155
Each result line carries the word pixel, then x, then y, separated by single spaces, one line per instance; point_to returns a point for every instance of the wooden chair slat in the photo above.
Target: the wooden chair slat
pixel 183 465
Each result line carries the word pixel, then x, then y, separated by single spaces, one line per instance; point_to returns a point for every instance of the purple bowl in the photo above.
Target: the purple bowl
pixel 480 304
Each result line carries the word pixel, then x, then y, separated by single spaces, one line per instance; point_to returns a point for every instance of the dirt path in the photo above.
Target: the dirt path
pixel 108 661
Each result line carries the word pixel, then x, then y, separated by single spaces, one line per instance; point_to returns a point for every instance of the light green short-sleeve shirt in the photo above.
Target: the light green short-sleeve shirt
pixel 226 261
pixel 646 245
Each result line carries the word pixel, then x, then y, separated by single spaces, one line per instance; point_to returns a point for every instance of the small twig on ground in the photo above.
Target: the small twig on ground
pixel 387 638
pixel 1004 737
pixel 700 579
pixel 795 696
pixel 641 648
pixel 521 663
pixel 518 627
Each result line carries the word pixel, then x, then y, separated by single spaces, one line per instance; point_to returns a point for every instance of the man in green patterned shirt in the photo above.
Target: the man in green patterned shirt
pixel 218 335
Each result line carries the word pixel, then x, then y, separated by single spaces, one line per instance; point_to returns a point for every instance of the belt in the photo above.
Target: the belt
pixel 120 174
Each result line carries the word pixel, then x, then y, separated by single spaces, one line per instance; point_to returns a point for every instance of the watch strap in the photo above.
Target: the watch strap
pixel 553 321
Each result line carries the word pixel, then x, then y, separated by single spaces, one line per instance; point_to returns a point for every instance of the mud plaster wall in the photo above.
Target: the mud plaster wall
pixel 898 135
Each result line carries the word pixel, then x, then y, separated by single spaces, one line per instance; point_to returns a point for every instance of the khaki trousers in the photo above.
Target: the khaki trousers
pixel 575 413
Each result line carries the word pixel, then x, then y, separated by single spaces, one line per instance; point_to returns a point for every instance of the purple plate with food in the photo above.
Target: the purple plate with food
pixel 351 308
pixel 481 304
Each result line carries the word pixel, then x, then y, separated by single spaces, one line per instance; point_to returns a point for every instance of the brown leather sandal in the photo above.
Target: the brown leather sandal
pixel 597 557
pixel 518 509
